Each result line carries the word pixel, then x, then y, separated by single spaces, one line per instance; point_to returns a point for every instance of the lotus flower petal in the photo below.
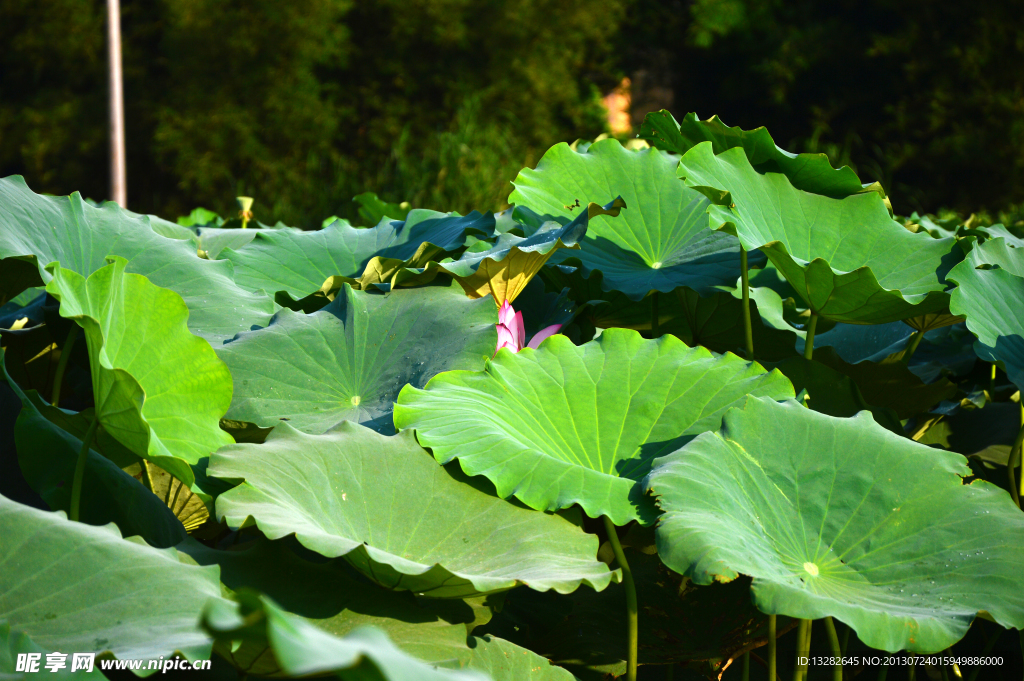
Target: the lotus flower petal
pixel 506 339
pixel 519 329
pixel 539 337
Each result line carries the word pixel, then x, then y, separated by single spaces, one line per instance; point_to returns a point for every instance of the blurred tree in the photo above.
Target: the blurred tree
pixel 926 96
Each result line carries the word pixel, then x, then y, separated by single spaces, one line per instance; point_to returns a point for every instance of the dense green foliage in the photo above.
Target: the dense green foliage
pixel 753 401
pixel 440 102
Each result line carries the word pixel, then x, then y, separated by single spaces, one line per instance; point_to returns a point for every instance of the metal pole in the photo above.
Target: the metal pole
pixel 118 181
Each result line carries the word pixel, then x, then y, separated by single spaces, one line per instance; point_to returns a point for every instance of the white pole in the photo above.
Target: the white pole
pixel 118 181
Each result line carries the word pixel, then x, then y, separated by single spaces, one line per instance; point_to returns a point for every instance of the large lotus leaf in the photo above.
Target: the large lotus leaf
pixel 845 257
pixel 456 541
pixel 992 300
pixel 298 263
pixel 839 517
pixel 503 270
pixel 1001 252
pixel 661 244
pixel 48 456
pixel 501 660
pixel 350 359
pixel 15 643
pixel 566 425
pixel 37 230
pixel 159 390
pixel 808 172
pixel 301 649
pixel 75 587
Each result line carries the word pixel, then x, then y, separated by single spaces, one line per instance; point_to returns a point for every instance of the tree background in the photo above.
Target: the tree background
pixel 304 104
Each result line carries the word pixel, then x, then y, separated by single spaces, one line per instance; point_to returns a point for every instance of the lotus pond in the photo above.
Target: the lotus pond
pixel 698 408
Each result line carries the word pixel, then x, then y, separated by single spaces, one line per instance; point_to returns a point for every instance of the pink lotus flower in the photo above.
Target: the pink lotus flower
pixel 512 332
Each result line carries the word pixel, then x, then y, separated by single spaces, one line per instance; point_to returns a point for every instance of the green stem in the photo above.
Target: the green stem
pixel 911 672
pixel 76 485
pixel 669 672
pixel 990 643
pixel 1015 458
pixel 837 650
pixel 62 363
pixel 845 641
pixel 746 666
pixel 802 649
pixel 772 676
pixel 631 609
pixel 915 340
pixel 147 478
pixel 747 329
pixel 655 316
pixel 883 672
pixel 809 345
pixel 992 379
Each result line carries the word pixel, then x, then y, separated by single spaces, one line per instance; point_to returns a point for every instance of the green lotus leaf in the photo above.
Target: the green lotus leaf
pixel 845 257
pixel 350 359
pixel 563 424
pixel 504 661
pixel 14 643
pixel 840 517
pixel 808 172
pixel 47 456
pixel 159 390
pixel 301 649
pixel 503 270
pixel 338 600
pixel 38 230
pixel 992 300
pixel 79 588
pixel 661 245
pixel 1002 252
pixel 298 263
pixel 453 542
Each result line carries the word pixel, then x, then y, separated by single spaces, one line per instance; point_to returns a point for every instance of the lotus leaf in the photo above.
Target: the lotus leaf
pixel 808 172
pixel 350 359
pixel 301 649
pixel 37 230
pixel 505 268
pixel 839 517
pixel 298 263
pixel 992 300
pixel 563 424
pixel 77 587
pixel 159 390
pixel 14 643
pixel 399 517
pixel 845 257
pixel 660 245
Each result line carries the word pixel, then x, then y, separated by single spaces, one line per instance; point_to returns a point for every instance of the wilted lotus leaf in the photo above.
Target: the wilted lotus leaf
pixel 399 517
pixel 563 424
pixel 842 518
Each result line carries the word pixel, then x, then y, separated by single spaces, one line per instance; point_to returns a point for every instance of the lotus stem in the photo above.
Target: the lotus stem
pixel 803 648
pixel 1015 459
pixel 147 478
pixel 62 363
pixel 837 650
pixel 748 331
pixel 845 640
pixel 809 344
pixel 915 340
pixel 76 485
pixel 992 378
pixel 631 609
pixel 746 666
pixel 990 643
pixel 911 670
pixel 655 316
pixel 669 672
pixel 884 671
pixel 772 675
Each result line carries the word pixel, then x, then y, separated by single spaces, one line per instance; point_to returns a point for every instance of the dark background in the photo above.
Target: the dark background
pixel 305 103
